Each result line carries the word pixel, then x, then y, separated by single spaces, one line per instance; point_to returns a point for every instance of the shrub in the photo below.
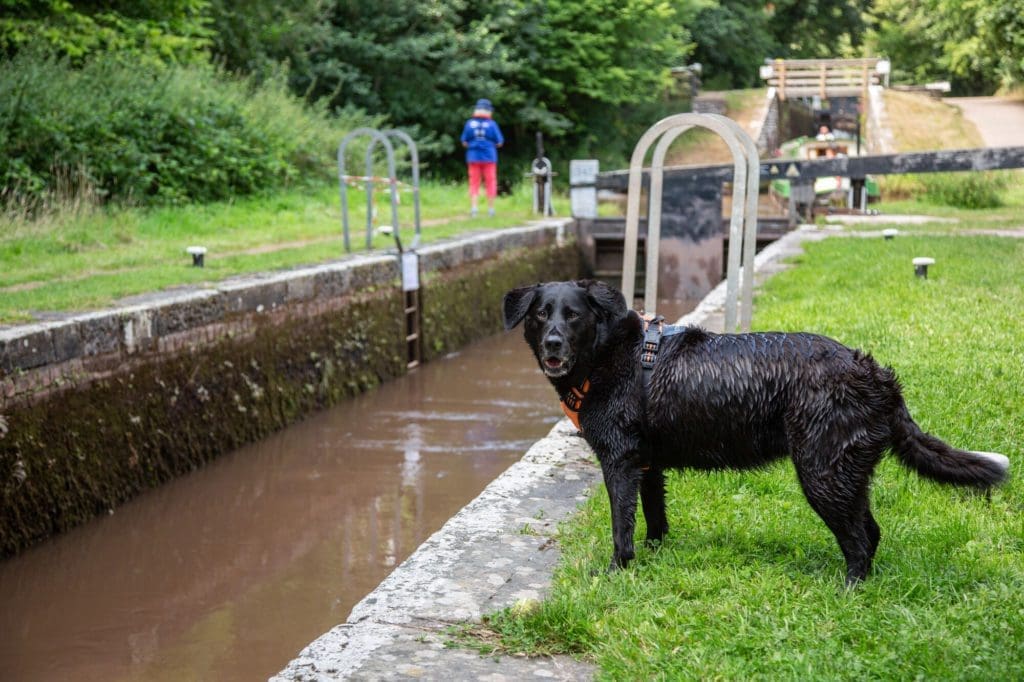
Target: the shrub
pixel 153 133
pixel 965 190
pixel 981 189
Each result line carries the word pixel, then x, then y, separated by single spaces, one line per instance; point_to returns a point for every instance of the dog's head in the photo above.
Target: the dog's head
pixel 564 321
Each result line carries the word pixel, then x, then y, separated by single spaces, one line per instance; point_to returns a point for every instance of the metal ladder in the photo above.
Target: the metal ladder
pixel 408 257
pixel 742 224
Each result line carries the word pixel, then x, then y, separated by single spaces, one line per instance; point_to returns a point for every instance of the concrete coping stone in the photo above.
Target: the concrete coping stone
pixel 498 551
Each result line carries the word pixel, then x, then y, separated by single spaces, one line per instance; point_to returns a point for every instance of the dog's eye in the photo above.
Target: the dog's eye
pixel 542 314
pixel 572 315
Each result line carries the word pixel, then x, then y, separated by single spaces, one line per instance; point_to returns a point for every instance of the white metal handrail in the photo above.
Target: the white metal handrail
pixel 742 224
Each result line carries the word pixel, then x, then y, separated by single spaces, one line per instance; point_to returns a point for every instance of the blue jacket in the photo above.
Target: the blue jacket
pixel 483 136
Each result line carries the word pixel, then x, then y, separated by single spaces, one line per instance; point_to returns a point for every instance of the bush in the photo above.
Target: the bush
pixel 981 189
pixel 965 190
pixel 155 134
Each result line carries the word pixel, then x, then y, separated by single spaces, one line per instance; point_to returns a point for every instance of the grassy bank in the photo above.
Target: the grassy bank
pixel 749 581
pixel 77 259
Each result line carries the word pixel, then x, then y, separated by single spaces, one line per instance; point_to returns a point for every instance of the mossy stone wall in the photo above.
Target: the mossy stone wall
pixel 461 306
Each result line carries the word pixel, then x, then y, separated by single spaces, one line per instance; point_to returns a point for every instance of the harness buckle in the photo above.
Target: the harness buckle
pixel 652 340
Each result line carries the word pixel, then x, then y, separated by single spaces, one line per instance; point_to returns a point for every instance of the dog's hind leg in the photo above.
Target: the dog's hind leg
pixel 652 498
pixel 841 500
pixel 623 483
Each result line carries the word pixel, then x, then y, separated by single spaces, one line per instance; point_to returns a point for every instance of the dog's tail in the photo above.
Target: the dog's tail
pixel 934 459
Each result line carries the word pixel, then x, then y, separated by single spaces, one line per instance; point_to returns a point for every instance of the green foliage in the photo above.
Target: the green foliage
pixel 726 61
pixel 151 133
pixel 580 72
pixel 823 28
pixel 785 29
pixel 976 44
pixel 964 190
pixel 595 72
pixel 257 36
pixel 172 31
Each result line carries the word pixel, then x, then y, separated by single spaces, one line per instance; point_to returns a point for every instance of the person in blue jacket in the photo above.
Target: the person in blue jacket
pixel 481 137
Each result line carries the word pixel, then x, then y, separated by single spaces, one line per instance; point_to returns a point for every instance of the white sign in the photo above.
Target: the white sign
pixel 583 171
pixel 410 271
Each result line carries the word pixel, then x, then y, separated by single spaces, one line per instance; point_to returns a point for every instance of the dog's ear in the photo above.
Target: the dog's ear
pixel 605 300
pixel 516 303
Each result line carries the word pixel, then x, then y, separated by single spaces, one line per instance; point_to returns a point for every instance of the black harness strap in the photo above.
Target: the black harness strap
pixel 654 329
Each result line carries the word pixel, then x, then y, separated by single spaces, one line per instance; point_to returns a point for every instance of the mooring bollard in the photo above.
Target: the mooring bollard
pixel 921 264
pixel 198 254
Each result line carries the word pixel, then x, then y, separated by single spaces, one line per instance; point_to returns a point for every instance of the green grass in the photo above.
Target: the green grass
pixel 87 258
pixel 749 583
pixel 1008 215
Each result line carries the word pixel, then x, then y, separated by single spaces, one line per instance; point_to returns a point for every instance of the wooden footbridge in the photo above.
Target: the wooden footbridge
pixel 825 78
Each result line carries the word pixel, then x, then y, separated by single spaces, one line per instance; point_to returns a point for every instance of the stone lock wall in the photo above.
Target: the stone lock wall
pixel 96 408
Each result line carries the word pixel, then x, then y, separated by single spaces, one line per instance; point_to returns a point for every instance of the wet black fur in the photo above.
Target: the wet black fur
pixel 730 401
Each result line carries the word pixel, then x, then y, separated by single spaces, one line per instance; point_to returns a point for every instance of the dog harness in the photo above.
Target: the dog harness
pixel 654 329
pixel 573 401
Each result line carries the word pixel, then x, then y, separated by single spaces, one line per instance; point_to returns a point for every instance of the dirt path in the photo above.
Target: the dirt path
pixel 999 120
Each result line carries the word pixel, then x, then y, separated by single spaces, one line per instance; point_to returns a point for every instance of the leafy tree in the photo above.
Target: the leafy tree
pixel 816 28
pixel 167 31
pixel 1000 39
pixel 420 63
pixel 592 74
pixel 729 62
pixel 734 37
pixel 976 44
pixel 574 70
pixel 258 36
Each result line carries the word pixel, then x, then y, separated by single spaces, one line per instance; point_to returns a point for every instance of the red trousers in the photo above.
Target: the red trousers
pixel 489 172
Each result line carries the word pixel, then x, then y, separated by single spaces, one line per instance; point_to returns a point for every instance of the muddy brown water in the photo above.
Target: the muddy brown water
pixel 227 573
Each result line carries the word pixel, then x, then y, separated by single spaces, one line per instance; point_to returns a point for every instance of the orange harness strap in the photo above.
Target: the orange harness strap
pixel 573 400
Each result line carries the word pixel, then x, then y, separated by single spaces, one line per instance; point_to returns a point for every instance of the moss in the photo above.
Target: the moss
pixel 87 449
pixel 463 306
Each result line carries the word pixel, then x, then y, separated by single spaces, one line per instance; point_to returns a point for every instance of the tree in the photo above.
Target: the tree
pixel 976 44
pixel 816 28
pixel 166 31
pixel 726 61
pixel 592 72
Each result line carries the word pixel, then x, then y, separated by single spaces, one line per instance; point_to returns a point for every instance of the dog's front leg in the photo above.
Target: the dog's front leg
pixel 623 482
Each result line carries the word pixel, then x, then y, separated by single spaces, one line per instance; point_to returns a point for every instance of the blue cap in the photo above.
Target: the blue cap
pixel 484 104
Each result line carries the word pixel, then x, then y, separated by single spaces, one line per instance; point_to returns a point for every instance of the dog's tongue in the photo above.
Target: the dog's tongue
pixel 553 362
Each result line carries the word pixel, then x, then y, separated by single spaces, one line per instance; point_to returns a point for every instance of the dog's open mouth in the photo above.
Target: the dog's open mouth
pixel 555 366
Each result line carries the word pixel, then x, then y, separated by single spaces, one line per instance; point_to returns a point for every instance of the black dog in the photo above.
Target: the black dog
pixel 713 401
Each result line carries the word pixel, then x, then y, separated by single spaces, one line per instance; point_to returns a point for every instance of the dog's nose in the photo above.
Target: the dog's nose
pixel 553 343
